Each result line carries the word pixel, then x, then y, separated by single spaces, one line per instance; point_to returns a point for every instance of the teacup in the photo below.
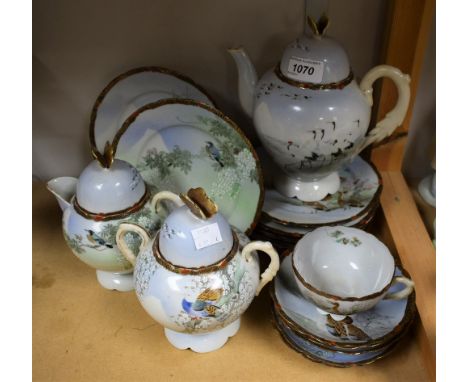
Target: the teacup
pixel 345 270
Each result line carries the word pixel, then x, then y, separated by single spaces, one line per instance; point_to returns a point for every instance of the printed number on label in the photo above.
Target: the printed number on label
pixel 305 70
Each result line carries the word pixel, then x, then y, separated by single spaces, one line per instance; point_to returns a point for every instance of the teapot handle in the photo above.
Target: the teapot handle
pixel 124 228
pixel 165 195
pixel 395 117
pixel 270 272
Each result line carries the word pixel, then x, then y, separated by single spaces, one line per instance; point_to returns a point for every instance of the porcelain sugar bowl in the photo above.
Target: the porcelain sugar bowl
pixel 310 113
pixel 93 207
pixel 345 270
pixel 197 275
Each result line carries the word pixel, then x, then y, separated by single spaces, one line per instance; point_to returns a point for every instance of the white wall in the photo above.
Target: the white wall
pixel 78 46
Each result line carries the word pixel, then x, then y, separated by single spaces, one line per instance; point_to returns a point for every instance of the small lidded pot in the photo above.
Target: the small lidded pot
pixel 197 275
pixel 93 207
pixel 345 270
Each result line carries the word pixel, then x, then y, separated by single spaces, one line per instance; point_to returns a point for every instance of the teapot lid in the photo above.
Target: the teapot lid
pixel 102 190
pixel 315 60
pixel 195 235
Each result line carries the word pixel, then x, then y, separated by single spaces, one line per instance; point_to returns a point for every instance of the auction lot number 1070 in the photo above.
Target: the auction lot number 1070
pixel 304 69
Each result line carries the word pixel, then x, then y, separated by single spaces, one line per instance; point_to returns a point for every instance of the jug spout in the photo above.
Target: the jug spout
pixel 63 189
pixel 247 79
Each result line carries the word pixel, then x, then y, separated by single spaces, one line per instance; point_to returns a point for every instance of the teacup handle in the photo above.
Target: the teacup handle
pixel 125 228
pixel 165 195
pixel 270 272
pixel 409 287
pixel 394 117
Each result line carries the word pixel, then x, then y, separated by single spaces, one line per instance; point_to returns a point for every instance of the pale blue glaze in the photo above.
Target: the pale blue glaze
pixel 176 241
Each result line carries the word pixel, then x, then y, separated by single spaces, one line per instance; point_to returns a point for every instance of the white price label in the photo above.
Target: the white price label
pixel 206 236
pixel 303 69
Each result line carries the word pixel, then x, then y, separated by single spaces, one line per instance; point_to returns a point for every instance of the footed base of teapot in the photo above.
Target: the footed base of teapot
pixel 120 281
pixel 205 342
pixel 307 191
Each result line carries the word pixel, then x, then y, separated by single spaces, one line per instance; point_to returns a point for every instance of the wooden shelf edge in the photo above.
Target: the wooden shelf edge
pixel 417 254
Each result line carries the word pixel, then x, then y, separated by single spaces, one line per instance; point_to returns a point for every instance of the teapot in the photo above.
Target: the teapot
pixel 311 115
pixel 197 275
pixel 93 207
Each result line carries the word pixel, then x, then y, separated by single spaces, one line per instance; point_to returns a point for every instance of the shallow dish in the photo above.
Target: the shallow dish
pixel 359 192
pixel 425 188
pixel 320 354
pixel 369 329
pixel 133 89
pixel 181 144
pixel 297 232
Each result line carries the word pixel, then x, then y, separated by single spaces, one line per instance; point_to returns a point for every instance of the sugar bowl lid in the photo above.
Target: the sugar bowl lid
pixel 315 60
pixel 104 190
pixel 195 235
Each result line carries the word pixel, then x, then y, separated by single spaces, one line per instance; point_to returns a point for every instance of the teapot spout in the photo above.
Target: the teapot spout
pixel 247 79
pixel 63 189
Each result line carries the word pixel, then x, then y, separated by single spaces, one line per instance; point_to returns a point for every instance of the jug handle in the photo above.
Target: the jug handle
pixel 270 272
pixel 393 118
pixel 125 228
pixel 165 195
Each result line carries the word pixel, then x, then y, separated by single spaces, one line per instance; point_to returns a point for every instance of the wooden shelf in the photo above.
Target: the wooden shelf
pixel 82 332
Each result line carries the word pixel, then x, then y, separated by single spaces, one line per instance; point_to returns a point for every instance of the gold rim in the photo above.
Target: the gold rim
pixel 103 216
pixel 335 349
pixel 218 113
pixel 374 201
pixel 408 316
pixel 309 356
pixel 195 271
pixel 104 159
pixel 335 297
pixel 296 236
pixel 307 85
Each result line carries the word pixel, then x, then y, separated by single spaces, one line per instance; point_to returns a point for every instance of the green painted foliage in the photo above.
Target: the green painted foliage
pixel 218 128
pixel 165 161
pixel 74 242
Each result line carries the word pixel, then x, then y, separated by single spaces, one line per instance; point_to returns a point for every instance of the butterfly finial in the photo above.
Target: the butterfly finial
pixel 199 203
pixel 320 26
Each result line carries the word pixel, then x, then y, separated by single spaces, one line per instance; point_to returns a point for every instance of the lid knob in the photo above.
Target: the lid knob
pixel 320 26
pixel 199 203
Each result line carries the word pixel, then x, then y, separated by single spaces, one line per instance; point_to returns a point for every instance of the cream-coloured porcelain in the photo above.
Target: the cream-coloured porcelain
pixel 93 207
pixel 345 270
pixel 199 307
pixel 313 123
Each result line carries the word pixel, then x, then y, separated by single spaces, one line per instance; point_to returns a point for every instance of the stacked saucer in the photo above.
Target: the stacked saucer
pixel 285 220
pixel 358 339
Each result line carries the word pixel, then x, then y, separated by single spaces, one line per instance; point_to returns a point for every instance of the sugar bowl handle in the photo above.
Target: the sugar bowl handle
pixel 165 195
pixel 124 228
pixel 272 269
pixel 395 117
pixel 409 287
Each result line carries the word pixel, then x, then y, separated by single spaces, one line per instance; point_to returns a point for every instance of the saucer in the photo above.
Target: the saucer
pixel 364 331
pixel 359 192
pixel 297 231
pixel 424 189
pixel 133 89
pixel 284 237
pixel 329 357
pixel 181 144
